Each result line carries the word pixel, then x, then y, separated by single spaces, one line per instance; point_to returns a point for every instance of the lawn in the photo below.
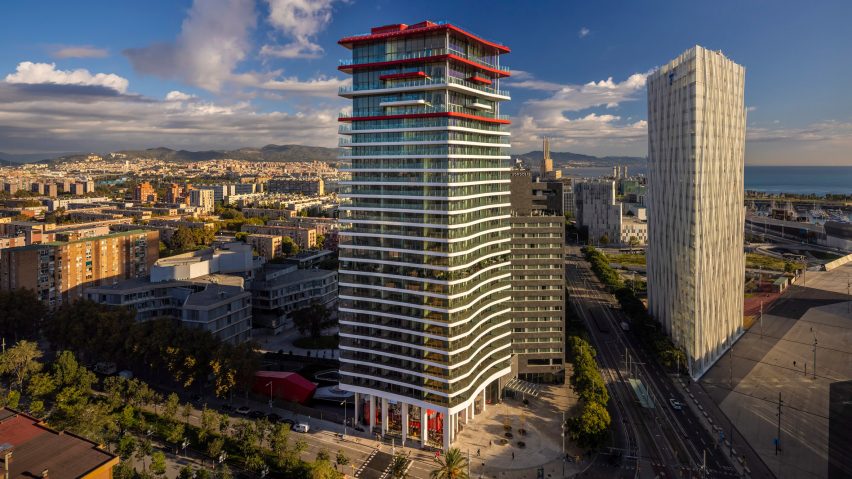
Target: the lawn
pixel 627 259
pixel 759 261
pixel 323 342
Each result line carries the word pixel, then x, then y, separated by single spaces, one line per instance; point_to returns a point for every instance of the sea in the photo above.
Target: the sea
pixel 802 180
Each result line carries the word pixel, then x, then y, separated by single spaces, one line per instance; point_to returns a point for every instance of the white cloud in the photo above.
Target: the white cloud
pixel 214 39
pixel 176 95
pixel 37 73
pixel 583 32
pixel 556 116
pixel 751 108
pixel 299 20
pixel 80 51
pixel 62 118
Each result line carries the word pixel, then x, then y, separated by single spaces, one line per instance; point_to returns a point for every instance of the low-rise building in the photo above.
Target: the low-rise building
pixel 215 303
pixel 307 187
pixel 30 449
pixel 305 238
pixel 268 246
pixel 283 288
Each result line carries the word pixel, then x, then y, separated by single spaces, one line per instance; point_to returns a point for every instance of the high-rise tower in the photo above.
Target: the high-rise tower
pixel 546 161
pixel 424 250
pixel 696 144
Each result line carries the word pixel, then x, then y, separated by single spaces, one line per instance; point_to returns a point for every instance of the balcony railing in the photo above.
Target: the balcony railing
pixel 432 52
pixel 368 112
pixel 424 83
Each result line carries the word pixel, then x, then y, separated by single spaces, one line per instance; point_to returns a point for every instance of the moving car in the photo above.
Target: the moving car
pixel 676 405
pixel 243 410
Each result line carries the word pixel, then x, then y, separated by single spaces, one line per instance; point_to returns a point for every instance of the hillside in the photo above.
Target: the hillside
pixel 280 153
pixel 563 158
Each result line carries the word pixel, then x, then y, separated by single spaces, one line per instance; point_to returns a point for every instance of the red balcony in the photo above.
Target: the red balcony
pixel 403 76
pixel 480 80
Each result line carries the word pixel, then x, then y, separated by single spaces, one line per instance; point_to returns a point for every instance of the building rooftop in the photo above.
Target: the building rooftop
pixel 36 448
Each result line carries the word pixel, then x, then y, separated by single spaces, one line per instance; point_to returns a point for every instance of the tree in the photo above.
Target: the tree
pixel 158 463
pixel 320 241
pixel 288 246
pixel 12 399
pixel 604 239
pixel 21 361
pixel 314 318
pixel 280 443
pixel 22 316
pixel 341 458
pixel 126 446
pixel 41 385
pixel 399 467
pixel 590 428
pixel 323 455
pixel 209 423
pixel 215 447
pixel 37 407
pixel 633 241
pixel 170 409
pixel 452 465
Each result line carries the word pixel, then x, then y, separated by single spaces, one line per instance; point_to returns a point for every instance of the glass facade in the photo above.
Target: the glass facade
pixel 425 242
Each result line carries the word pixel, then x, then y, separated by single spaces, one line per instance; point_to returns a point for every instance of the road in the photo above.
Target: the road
pixel 669 442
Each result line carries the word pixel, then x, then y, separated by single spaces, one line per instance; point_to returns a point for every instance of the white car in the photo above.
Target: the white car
pixel 677 406
pixel 301 427
pixel 243 410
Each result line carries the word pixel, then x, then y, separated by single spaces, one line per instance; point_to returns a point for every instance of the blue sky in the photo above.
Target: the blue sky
pixel 198 74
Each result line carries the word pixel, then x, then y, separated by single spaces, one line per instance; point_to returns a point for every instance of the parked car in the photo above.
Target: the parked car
pixel 676 405
pixel 256 414
pixel 301 427
pixel 273 418
pixel 244 410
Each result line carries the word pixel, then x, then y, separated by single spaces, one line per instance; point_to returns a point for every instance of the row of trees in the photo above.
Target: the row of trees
pixel 129 418
pixel 162 349
pixel 649 331
pixel 591 427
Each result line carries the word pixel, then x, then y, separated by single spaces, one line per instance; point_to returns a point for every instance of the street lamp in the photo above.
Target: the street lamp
pixel 264 471
pixel 343 403
pixel 183 446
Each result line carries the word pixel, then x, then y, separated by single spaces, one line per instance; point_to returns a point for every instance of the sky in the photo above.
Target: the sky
pixel 97 76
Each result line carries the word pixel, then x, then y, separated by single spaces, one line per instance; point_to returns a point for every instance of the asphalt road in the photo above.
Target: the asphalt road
pixel 669 442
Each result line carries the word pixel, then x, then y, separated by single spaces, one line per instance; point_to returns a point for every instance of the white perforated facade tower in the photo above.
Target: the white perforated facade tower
pixel 696 144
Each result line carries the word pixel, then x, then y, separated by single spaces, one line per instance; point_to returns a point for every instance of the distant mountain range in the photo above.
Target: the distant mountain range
pixel 563 158
pixel 293 153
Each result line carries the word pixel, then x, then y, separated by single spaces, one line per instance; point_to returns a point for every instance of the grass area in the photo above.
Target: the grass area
pixel 323 342
pixel 759 261
pixel 627 259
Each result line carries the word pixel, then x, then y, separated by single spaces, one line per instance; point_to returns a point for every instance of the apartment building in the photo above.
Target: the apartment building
pixel 215 303
pixel 306 186
pixel 283 288
pixel 425 295
pixel 203 200
pixel 59 271
pixel 305 238
pixel 267 246
pixel 538 279
pixel 144 193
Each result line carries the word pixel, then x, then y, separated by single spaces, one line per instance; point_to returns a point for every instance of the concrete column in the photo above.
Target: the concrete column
pixel 372 413
pixel 424 427
pixel 483 400
pixel 448 427
pixel 384 416
pixel 465 414
pixel 357 407
pixel 404 422
pixel 472 410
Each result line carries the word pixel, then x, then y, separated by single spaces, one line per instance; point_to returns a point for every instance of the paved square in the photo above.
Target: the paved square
pixel 778 358
pixel 542 419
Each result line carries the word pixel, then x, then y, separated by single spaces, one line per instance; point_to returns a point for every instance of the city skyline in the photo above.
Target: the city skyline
pixel 216 74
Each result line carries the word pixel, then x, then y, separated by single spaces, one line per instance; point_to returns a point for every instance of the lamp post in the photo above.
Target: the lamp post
pixel 344 416
pixel 183 446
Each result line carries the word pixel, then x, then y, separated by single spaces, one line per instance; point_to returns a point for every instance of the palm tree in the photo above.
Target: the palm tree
pixel 452 465
pixel 399 467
